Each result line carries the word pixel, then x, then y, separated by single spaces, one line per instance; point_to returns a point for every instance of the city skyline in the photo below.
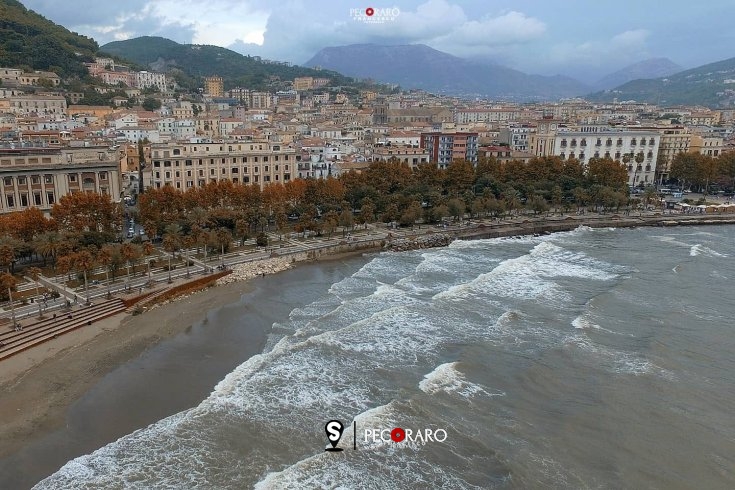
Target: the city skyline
pixel 573 38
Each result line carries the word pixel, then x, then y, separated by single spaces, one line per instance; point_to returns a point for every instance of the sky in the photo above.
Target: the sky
pixel 584 39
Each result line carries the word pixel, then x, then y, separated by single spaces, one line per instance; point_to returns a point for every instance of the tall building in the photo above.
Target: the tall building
pixel 188 165
pixel 214 86
pixel 39 177
pixel 443 148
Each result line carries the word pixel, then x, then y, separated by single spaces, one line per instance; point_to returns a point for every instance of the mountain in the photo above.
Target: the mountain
pixel 419 66
pixel 651 68
pixel 30 40
pixel 193 61
pixel 711 85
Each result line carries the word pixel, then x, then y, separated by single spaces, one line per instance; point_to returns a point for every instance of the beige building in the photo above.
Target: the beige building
pixel 39 177
pixel 303 83
pixel 214 86
pixel 706 144
pixel 188 165
pixel 407 154
pixel 38 104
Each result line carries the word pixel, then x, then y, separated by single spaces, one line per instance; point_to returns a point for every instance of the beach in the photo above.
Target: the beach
pixel 48 390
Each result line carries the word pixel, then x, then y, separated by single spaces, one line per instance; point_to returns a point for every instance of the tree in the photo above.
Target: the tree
pixel 87 211
pixel 331 219
pixel 346 220
pixel 538 205
pixel 84 262
pixel 456 208
pixel 35 274
pixel 130 253
pixel 151 104
pixel 148 250
pixel 7 257
pixel 224 239
pixel 607 172
pixel 8 283
pixel 367 212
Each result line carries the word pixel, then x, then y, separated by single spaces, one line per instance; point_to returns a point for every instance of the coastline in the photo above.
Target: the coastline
pixel 40 387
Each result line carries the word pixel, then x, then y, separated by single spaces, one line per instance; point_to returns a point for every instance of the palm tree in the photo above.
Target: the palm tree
pixel 188 242
pixel 104 257
pixel 223 237
pixel 47 245
pixel 8 281
pixel 129 254
pixel 84 261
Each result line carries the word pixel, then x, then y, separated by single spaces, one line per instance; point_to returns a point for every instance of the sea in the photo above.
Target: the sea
pixel 596 358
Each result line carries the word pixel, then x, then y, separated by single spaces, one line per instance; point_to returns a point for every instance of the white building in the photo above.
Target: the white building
pixel 146 79
pixel 602 142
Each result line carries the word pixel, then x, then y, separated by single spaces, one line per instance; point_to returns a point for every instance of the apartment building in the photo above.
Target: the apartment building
pixel 407 154
pixel 187 165
pixel 39 177
pixel 38 104
pixel 146 79
pixel 478 115
pixel 444 147
pixel 602 142
pixel 214 86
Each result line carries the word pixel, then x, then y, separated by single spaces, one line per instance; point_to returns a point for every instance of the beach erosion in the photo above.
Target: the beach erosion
pixel 95 385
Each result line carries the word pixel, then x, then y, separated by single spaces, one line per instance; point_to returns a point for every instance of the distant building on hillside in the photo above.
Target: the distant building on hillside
pixel 214 86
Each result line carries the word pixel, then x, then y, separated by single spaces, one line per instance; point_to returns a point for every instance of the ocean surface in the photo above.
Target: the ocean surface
pixel 590 359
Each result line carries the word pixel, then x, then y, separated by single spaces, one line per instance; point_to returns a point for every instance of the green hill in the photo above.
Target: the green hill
pixel 195 61
pixel 29 39
pixel 706 85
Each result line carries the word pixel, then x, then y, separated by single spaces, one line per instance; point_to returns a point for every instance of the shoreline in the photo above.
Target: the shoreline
pixel 41 385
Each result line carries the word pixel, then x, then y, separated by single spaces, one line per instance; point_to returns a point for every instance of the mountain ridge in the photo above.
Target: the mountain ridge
pixel 409 64
pixel 644 69
pixel 711 85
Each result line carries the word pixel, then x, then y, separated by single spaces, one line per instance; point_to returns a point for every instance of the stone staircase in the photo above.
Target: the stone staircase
pixel 13 342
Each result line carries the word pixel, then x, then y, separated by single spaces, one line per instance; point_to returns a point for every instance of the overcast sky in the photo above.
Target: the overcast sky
pixel 585 39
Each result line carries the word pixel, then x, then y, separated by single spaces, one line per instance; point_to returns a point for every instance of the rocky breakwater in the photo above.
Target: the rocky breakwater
pixel 423 241
pixel 248 270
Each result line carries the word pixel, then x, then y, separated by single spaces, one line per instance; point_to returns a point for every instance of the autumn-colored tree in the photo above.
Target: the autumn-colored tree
pixel 607 172
pixel 8 283
pixel 367 212
pixel 459 177
pixel 87 211
pixel 331 219
pixel 84 262
pixel 130 253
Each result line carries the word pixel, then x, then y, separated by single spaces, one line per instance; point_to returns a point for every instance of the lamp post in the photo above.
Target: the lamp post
pixel 169 269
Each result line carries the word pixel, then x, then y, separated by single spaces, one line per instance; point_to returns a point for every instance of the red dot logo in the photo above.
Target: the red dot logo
pixel 369 11
pixel 397 434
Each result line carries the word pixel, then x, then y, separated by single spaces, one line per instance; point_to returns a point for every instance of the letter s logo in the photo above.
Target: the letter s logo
pixel 334 429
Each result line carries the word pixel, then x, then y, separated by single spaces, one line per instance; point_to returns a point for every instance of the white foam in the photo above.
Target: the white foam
pixel 447 378
pixel 699 249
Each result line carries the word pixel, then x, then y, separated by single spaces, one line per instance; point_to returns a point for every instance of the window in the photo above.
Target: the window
pixel 103 175
pixel 24 200
pixel 633 142
pixel 37 198
pixel 35 179
pixel 21 180
pixel 255 170
pixel 651 142
pixel 608 142
pixel 211 171
pixel 10 201
pixel 564 143
pixel 599 142
pixel 72 178
pixel 157 164
pixel 48 179
pixel 574 143
pixel 235 170
pixel 246 180
pixel 8 181
pixel 617 155
pixel 266 168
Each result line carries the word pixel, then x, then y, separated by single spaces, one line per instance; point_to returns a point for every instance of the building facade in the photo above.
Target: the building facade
pixel 39 177
pixel 443 148
pixel 188 165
